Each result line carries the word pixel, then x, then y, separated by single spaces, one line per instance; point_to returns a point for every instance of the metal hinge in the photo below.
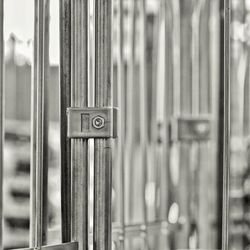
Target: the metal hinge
pixel 92 122
pixel 63 246
pixel 191 128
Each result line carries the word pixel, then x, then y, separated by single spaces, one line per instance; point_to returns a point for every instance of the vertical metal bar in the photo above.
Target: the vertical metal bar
pixel 121 121
pixel 195 110
pixel 1 117
pixel 155 90
pixel 226 125
pixel 45 124
pixel 171 43
pixel 220 137
pixel 154 170
pixel 40 130
pixel 176 57
pixel 102 157
pixel 214 63
pixel 175 100
pixel 196 56
pixel 79 98
pixel 33 131
pixel 42 74
pixel 39 164
pixel 130 128
pixel 65 101
pixel 143 111
pixel 207 158
pixel 184 106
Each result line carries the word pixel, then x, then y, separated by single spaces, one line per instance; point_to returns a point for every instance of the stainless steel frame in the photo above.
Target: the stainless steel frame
pixel 103 147
pixel 74 94
pixel 226 127
pixel 39 140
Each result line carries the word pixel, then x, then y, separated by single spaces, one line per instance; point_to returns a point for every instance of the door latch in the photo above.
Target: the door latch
pixel 92 122
pixel 190 128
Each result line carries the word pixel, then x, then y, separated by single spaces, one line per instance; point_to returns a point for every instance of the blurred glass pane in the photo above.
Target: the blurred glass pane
pixel 19 28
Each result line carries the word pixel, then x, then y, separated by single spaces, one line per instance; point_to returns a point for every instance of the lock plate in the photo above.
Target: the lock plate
pixel 92 122
pixel 191 128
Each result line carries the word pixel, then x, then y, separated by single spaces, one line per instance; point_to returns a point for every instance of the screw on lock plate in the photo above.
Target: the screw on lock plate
pixel 98 122
pixel 92 122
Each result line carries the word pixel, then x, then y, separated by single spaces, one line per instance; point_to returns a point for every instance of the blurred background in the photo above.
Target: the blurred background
pixel 19 33
pixel 167 176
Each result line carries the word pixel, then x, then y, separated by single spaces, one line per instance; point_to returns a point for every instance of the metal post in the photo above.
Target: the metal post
pixel 39 161
pixel 130 117
pixel 79 98
pixel 184 106
pixel 121 122
pixel 143 113
pixel 220 142
pixel 102 157
pixel 195 150
pixel 1 117
pixel 206 157
pixel 74 93
pixel 33 133
pixel 226 124
pixel 65 101
pixel 214 62
pixel 175 100
pixel 170 43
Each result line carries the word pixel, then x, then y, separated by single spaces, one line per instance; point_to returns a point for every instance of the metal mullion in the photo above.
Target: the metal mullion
pixel 39 131
pixel 175 110
pixel 153 174
pixel 155 120
pixel 220 124
pixel 65 101
pixel 130 119
pixel 39 164
pixel 121 121
pixel 168 99
pixel 40 136
pixel 226 124
pixel 1 117
pixel 154 123
pixel 195 110
pixel 79 98
pixel 143 112
pixel 45 121
pixel 196 56
pixel 102 147
pixel 176 57
pixel 167 184
pixel 184 103
pixel 33 131
pixel 214 79
pixel 207 163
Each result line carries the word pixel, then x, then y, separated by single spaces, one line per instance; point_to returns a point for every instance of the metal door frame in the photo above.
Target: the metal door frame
pixel 74 93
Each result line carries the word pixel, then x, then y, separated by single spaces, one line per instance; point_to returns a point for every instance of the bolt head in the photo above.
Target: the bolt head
pixel 98 122
pixel 202 128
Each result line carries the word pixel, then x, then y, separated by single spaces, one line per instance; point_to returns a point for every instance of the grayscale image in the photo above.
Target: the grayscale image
pixel 125 124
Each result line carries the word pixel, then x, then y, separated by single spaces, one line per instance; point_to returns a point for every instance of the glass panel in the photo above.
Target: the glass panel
pixel 239 175
pixel 19 35
pixel 167 182
pixel 18 27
